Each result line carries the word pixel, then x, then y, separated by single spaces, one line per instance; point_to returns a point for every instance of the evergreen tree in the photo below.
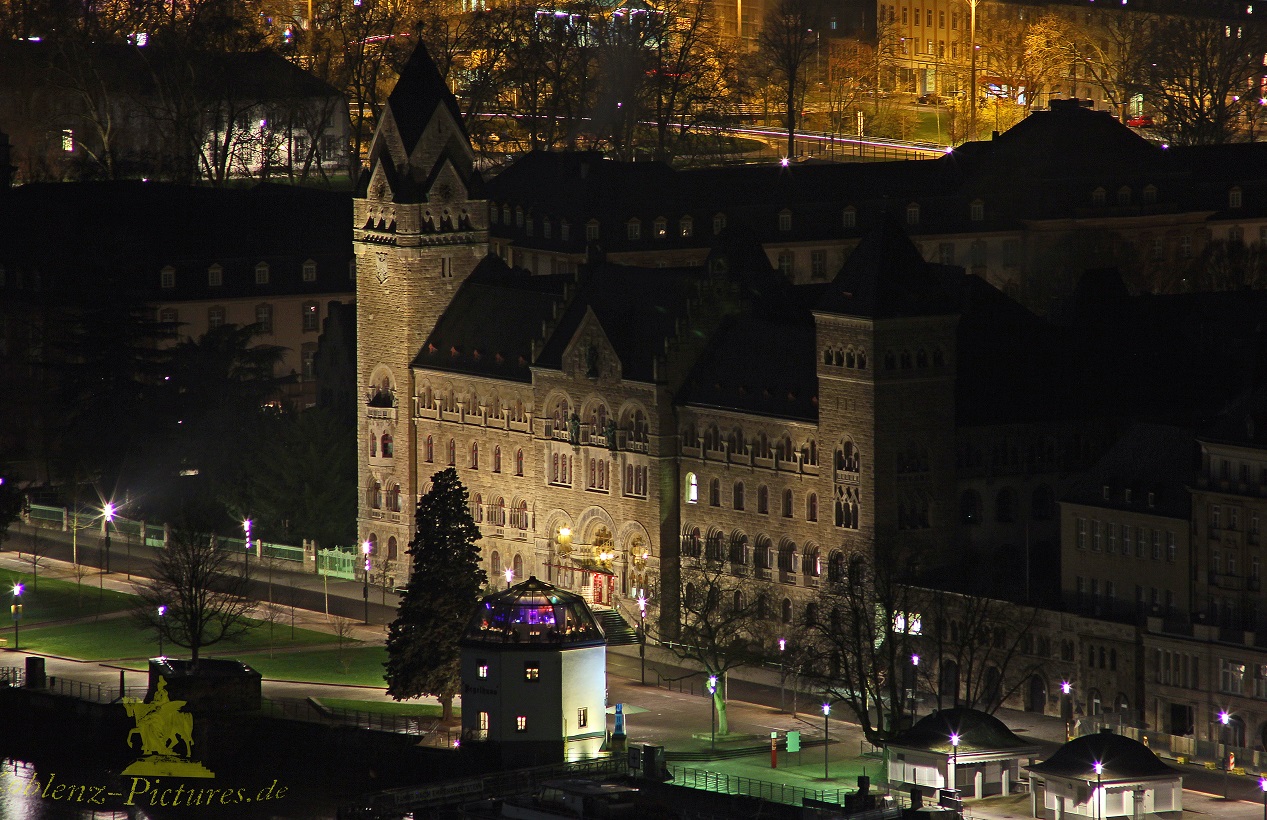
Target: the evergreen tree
pixel 444 586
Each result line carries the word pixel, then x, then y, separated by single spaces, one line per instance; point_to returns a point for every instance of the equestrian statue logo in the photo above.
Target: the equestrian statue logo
pixel 163 730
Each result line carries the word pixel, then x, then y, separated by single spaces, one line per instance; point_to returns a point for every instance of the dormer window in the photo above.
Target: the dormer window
pixel 633 229
pixel 1106 492
pixel 215 276
pixel 1150 194
pixel 261 273
pixel 493 214
pixel 976 211
pixel 167 277
pixel 1124 195
pixel 912 214
pixel 528 225
pixel 310 271
pixel 1234 198
pixel 785 220
pixel 591 231
pixel 719 223
pixel 661 227
pixel 519 217
pixel 547 230
pixel 850 217
pixel 506 214
pixel 565 230
pixel 1098 196
pixel 686 226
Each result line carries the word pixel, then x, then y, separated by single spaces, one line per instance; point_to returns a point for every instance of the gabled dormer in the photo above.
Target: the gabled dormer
pixel 590 354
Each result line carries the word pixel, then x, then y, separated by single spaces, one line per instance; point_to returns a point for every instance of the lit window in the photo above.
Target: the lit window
pixel 532 671
pixel 687 226
pixel 167 277
pixel 264 318
pixel 310 317
pixel 483 668
pixel 68 140
pixel 692 488
pixel 582 717
pixel 661 228
pixel 521 723
pixel 483 721
pixel 215 317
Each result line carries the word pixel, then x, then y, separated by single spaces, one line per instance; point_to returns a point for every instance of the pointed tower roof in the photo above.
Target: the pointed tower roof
pixel 418 92
pixel 886 277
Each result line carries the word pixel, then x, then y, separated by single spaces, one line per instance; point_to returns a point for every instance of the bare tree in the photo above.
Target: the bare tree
pixel 1115 55
pixel 202 591
pixel 786 44
pixel 343 629
pixel 1028 56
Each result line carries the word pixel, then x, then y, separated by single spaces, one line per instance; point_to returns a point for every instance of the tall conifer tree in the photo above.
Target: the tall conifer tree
pixel 444 587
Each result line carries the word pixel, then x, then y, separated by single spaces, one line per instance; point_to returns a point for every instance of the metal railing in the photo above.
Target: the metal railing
pixel 413 725
pixel 732 784
pixel 12 675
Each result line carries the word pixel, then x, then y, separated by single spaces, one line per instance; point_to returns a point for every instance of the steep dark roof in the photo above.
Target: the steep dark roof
pixel 1150 460
pixel 758 366
pixel 978 733
pixel 1122 759
pixel 886 277
pixel 417 94
pixel 490 326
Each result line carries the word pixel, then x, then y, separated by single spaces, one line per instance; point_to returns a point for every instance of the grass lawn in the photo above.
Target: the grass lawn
pixel 358 666
pixel 55 599
pixel 120 637
pixel 378 707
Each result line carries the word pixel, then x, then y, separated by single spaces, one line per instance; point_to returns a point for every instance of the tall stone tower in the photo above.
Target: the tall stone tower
pixel 885 331
pixel 419 230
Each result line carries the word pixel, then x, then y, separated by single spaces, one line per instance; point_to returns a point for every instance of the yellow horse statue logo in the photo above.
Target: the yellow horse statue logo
pixel 163 730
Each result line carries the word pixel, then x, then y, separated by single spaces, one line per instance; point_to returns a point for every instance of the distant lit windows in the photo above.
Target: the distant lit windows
pixel 521 723
pixel 692 488
pixel 532 671
pixel 68 140
pixel 310 271
pixel 661 228
pixel 582 717
pixel 167 277
pixel 483 721
pixel 309 317
pixel 261 273
pixel 264 318
pixel 215 317
pixel 686 226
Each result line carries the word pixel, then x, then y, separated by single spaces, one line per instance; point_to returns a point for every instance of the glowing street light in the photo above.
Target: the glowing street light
pixel 642 636
pixel 954 756
pixel 1099 794
pixel 1262 784
pixel 712 699
pixel 1225 719
pixel 510 576
pixel 162 611
pixel 365 589
pixel 782 674
pixel 17 611
pixel 1066 707
pixel 108 514
pixel 914 684
pixel 826 736
pixel 246 528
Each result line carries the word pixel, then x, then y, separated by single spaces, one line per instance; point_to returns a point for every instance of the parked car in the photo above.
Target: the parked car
pixel 1140 121
pixel 929 99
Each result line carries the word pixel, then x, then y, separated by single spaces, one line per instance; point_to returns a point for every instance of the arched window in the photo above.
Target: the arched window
pixel 376 495
pixel 811 507
pixel 836 566
pixel 477 507
pixel 498 513
pixel 738 495
pixel 453 453
pixel 519 515
pixel 714 493
pixel 495 564
pixel 393 498
pixel 393 551
pixel 518 566
pixel 389 449
pixel 811 614
pixel 691 545
pixel 787 557
pixel 692 488
pixel 497 459
pixel 519 462
pixel 847 507
pixel 735 441
pixel 428 450
pixel 787 504
pixel 739 549
pixel 763 499
pixel 763 555
pixel 812 562
pixel 785 611
pixel 373 446
pixel 475 456
pixel 713 546
pixel 848 458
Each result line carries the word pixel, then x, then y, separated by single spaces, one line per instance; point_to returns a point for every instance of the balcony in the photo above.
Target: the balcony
pixel 786 577
pixel 1225 581
pixel 761 573
pixel 388 413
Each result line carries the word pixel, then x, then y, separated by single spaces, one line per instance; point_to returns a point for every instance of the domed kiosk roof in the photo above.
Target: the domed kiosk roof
pixel 532 613
pixel 1122 759
pixel 976 731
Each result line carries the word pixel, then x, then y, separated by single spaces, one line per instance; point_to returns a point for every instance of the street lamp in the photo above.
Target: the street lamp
pixel 246 563
pixel 108 512
pixel 1099 805
pixel 642 637
pixel 954 757
pixel 782 679
pixel 1262 784
pixel 712 699
pixel 972 70
pixel 162 610
pixel 1225 719
pixel 826 736
pixel 1066 708
pixel 914 684
pixel 510 576
pixel 365 590
pixel 17 611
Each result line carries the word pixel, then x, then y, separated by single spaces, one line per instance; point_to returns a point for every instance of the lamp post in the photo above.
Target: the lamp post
pixel 1262 784
pixel 162 611
pixel 246 562
pixel 17 611
pixel 826 736
pixel 1225 719
pixel 712 699
pixel 510 576
pixel 642 637
pixel 782 678
pixel 365 589
pixel 1066 708
pixel 1099 805
pixel 972 70
pixel 914 684
pixel 108 513
pixel 954 758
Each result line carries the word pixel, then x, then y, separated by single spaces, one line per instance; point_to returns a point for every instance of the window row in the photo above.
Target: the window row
pixel 449 400
pixel 1099 196
pixel 846 357
pixel 393 549
pixel 498 514
pixel 380 498
pixel 735 549
pixel 594 423
pixel 215 274
pixel 217 316
pixel 1138 542
pixel 779 448
pixel 739 498
pixel 473 456
pixel 904 360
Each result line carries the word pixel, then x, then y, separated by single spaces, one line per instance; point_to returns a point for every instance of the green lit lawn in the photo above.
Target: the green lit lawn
pixel 53 599
pixel 391 707
pixel 358 666
pixel 120 637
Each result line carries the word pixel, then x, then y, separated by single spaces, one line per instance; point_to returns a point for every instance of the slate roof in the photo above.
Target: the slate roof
pixel 416 95
pixel 978 733
pixel 1123 759
pixel 886 277
pixel 1148 458
pixel 491 324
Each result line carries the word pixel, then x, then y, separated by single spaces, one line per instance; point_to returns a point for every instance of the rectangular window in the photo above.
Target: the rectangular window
pixel 1231 677
pixel 634 230
pixel 1172 549
pixel 582 717
pixel 215 276
pixel 1095 536
pixel 167 278
pixel 591 232
pixel 818 264
pixel 946 253
pixel 310 317
pixel 1082 533
pixel 264 318
pixel 446 267
pixel 310 271
pixel 1156 545
pixel 483 721
pixel 521 723
pixel 483 668
pixel 532 671
pixel 215 317
pixel 1126 540
pixel 68 140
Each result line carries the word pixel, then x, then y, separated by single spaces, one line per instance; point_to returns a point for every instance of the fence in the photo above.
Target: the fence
pixel 12 675
pixel 92 692
pixel 337 563
pixel 308 710
pixel 774 792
